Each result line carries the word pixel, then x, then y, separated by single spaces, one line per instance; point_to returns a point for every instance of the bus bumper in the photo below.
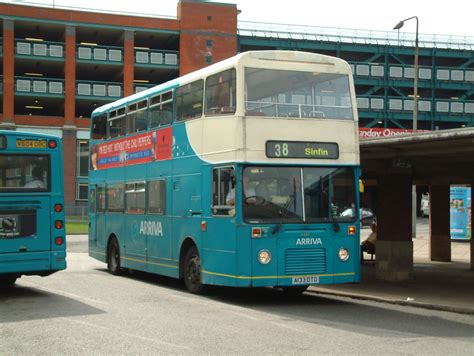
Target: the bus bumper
pixel 279 281
pixel 32 263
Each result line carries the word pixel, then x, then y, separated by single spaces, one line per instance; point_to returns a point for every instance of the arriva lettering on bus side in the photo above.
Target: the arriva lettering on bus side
pixel 236 175
pixel 151 228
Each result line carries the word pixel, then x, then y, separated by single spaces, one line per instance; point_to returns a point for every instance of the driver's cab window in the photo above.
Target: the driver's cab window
pixel 223 191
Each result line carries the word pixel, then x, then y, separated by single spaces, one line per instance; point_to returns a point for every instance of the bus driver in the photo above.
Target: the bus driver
pixel 249 192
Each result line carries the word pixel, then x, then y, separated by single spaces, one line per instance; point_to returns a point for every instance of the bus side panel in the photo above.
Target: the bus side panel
pixel 186 210
pixel 218 251
pixel 135 239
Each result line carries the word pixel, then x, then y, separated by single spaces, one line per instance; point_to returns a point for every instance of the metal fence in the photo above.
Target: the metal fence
pixel 76 213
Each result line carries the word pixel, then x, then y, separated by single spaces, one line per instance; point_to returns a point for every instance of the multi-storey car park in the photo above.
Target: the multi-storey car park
pixel 59 64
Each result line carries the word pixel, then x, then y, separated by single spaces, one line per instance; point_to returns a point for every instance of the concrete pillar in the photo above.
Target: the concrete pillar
pixel 70 164
pixel 8 72
pixel 394 247
pixel 440 237
pixel 128 63
pixel 70 77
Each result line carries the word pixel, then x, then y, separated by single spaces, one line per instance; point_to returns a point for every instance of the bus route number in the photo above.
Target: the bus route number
pixel 281 150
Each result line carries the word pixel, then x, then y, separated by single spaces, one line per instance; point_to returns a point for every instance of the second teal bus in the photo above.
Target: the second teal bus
pixel 32 234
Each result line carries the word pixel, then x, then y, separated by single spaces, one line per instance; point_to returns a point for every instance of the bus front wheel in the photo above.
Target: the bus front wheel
pixel 192 271
pixel 113 257
pixel 7 281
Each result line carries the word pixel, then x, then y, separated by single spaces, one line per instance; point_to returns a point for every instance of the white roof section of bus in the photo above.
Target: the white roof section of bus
pixel 28 134
pixel 222 139
pixel 241 59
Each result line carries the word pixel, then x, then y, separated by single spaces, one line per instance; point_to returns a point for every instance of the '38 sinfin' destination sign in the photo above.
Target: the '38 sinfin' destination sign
pixel 298 149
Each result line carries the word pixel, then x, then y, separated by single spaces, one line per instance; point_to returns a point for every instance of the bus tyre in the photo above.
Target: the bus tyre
pixel 6 282
pixel 293 291
pixel 192 271
pixel 113 257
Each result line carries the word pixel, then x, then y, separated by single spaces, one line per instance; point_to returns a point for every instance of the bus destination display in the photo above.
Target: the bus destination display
pixel 297 149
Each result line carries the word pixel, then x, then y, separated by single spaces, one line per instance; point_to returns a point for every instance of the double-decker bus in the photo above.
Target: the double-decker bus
pixel 244 173
pixel 32 234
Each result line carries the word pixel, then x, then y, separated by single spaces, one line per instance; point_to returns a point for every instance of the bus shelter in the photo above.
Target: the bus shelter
pixel 394 164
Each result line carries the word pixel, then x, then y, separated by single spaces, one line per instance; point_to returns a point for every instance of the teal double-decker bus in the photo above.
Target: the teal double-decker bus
pixel 32 234
pixel 244 173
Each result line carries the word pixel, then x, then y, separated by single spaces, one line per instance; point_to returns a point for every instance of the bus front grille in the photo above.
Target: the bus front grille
pixel 305 261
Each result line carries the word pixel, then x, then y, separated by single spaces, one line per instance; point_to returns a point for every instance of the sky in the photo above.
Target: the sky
pixel 435 17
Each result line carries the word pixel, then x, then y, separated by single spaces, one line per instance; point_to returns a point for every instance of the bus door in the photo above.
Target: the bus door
pixel 219 239
pixel 92 216
pixel 25 224
pixel 100 217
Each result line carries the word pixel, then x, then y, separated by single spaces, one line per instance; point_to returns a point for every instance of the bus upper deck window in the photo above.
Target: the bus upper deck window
pixel 220 93
pixel 99 127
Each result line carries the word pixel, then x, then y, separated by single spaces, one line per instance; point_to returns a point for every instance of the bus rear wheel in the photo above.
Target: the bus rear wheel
pixel 192 271
pixel 6 282
pixel 113 257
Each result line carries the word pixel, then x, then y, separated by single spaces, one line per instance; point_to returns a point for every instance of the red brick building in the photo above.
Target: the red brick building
pixel 58 65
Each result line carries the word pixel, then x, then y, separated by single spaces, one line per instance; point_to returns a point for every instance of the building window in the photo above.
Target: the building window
pixel 82 191
pixel 208 59
pixel 209 43
pixel 82 158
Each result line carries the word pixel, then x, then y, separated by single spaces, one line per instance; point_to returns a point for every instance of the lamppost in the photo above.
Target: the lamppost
pixel 398 26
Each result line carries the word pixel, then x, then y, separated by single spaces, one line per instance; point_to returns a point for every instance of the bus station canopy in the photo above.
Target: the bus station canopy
pixel 437 157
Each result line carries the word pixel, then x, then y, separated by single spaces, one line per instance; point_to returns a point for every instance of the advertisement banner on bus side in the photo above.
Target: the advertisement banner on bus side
pixel 142 148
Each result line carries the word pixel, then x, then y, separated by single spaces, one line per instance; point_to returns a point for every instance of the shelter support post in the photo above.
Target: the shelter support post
pixel 394 247
pixel 440 237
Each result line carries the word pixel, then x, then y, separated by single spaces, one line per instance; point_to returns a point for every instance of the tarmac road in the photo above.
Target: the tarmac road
pixel 85 310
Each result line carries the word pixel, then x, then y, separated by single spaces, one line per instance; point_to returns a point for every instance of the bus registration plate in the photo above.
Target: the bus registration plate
pixel 305 280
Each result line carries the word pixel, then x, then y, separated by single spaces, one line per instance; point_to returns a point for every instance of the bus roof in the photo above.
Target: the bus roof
pixel 284 56
pixel 26 133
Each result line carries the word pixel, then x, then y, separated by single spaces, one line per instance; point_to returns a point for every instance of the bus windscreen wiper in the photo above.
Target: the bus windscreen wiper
pixel 283 214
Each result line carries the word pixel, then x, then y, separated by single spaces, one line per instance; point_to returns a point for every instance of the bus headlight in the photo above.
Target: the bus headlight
pixel 343 254
pixel 264 257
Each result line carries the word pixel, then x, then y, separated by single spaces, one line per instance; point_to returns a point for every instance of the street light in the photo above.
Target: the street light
pixel 398 26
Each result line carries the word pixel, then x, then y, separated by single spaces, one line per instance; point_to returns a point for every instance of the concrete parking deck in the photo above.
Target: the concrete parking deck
pixel 436 285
